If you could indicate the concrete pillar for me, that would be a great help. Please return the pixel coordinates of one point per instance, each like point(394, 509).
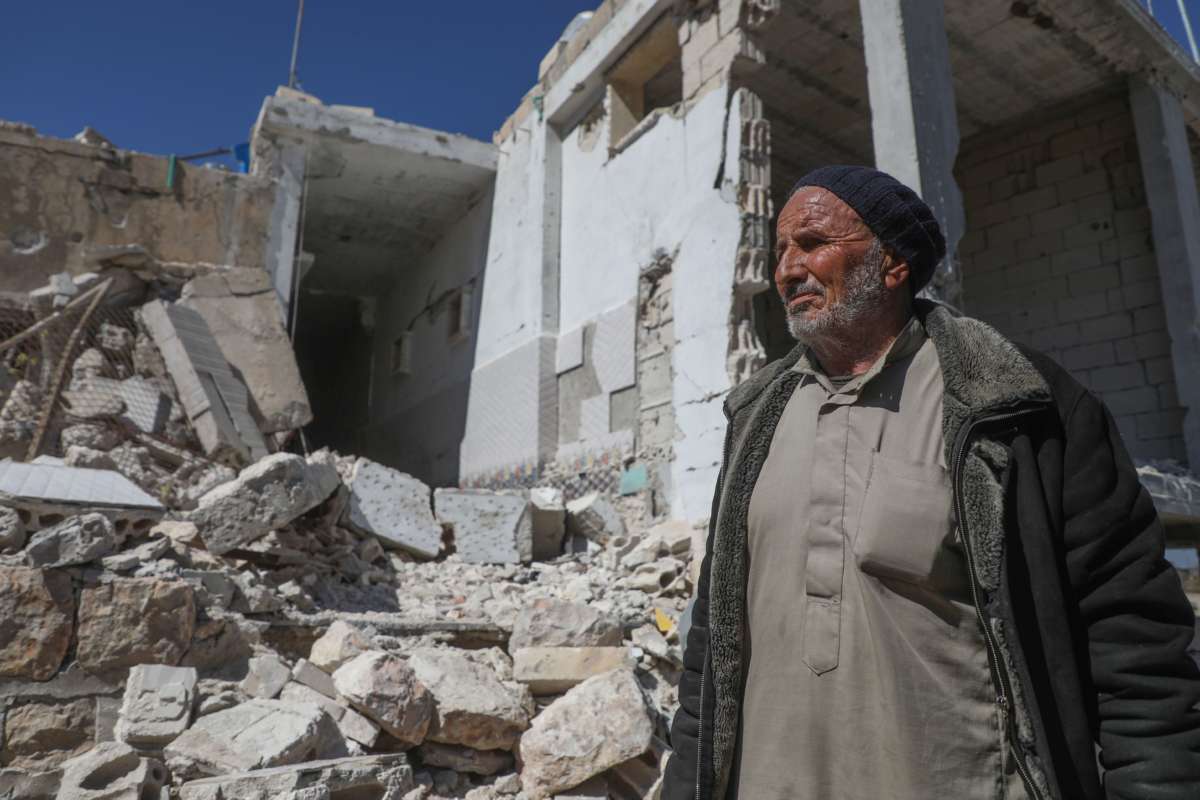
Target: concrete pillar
point(913, 116)
point(1175, 219)
point(288, 170)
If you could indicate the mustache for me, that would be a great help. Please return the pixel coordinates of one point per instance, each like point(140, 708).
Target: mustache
point(794, 290)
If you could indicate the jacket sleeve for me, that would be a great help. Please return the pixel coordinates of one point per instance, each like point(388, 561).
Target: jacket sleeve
point(1138, 620)
point(679, 778)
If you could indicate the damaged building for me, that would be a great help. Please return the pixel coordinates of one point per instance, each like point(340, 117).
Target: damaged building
point(402, 414)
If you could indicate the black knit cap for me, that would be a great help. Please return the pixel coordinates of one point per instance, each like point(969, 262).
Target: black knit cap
point(892, 211)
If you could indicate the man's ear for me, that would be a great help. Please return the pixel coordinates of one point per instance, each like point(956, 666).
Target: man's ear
point(895, 270)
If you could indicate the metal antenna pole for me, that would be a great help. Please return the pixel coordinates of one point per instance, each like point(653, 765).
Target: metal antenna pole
point(1187, 27)
point(296, 46)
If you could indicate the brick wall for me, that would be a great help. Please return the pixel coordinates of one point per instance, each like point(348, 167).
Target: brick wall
point(1059, 255)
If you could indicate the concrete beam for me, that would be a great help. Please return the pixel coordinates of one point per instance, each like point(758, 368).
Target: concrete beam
point(1175, 220)
point(913, 114)
point(572, 94)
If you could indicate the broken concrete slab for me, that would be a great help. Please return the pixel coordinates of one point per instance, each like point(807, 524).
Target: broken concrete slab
point(37, 612)
point(472, 707)
point(549, 518)
point(131, 621)
point(20, 784)
point(556, 623)
point(386, 689)
point(354, 726)
point(551, 670)
point(386, 776)
point(246, 320)
point(340, 643)
point(53, 482)
point(157, 705)
point(74, 541)
point(215, 400)
point(267, 676)
point(253, 735)
point(393, 506)
point(265, 496)
point(309, 674)
point(488, 527)
point(597, 725)
point(112, 770)
point(594, 517)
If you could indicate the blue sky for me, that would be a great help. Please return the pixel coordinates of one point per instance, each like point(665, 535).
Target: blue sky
point(165, 76)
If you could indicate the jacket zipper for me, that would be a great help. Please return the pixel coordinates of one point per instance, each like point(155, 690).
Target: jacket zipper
point(704, 663)
point(999, 673)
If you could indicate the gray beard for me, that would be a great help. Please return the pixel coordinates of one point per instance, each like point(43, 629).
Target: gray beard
point(864, 292)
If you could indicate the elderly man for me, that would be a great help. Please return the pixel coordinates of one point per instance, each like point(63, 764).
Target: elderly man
point(931, 569)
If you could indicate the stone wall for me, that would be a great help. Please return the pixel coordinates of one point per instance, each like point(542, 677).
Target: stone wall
point(65, 204)
point(1059, 255)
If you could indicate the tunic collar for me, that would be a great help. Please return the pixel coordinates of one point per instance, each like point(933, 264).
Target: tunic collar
point(910, 339)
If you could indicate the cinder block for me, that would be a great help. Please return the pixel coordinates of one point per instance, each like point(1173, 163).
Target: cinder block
point(1077, 258)
point(1153, 344)
point(1132, 401)
point(1097, 279)
point(1122, 376)
point(1089, 183)
point(1060, 169)
point(1104, 329)
point(1158, 424)
point(1056, 218)
point(1168, 397)
point(1081, 308)
point(1159, 370)
point(1088, 356)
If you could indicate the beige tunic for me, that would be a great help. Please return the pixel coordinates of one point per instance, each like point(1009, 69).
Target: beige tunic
point(868, 676)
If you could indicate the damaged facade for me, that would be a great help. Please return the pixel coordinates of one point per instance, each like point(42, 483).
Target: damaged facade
point(522, 347)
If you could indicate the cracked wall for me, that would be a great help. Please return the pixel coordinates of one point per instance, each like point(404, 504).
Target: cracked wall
point(62, 203)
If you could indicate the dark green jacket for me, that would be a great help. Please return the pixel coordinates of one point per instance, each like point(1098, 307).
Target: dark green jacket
point(1086, 624)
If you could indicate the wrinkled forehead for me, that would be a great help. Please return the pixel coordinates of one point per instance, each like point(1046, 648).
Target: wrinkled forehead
point(819, 210)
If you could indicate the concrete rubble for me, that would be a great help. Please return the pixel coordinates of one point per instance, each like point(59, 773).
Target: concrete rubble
point(190, 610)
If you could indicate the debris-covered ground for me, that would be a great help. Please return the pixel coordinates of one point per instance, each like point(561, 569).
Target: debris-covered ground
point(186, 614)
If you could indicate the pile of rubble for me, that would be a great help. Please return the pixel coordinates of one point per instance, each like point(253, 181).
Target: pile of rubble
point(324, 624)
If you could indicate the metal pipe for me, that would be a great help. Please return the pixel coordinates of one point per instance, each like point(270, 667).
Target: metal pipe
point(1187, 27)
point(296, 46)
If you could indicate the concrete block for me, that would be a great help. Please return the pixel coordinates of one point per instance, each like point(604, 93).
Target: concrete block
point(112, 770)
point(551, 670)
point(548, 515)
point(38, 612)
point(309, 674)
point(384, 776)
point(555, 623)
point(340, 643)
point(266, 678)
point(72, 542)
point(594, 517)
point(472, 707)
point(264, 497)
point(386, 689)
point(488, 527)
point(157, 706)
point(613, 348)
point(1123, 376)
point(393, 506)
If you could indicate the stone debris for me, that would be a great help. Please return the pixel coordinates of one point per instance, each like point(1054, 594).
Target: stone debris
point(12, 530)
point(594, 517)
point(597, 725)
point(340, 643)
point(132, 621)
point(553, 623)
point(37, 618)
point(386, 689)
point(393, 506)
point(112, 770)
point(472, 707)
point(157, 706)
point(265, 496)
point(267, 677)
point(549, 519)
point(488, 527)
point(465, 759)
point(72, 542)
point(552, 670)
point(387, 777)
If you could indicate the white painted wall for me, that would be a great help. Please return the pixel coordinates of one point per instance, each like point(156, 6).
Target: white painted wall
point(418, 419)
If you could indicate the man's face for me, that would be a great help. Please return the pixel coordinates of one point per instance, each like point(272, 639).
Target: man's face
point(828, 267)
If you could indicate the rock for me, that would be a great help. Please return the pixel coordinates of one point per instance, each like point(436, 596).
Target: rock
point(254, 597)
point(157, 705)
point(114, 337)
point(308, 674)
point(489, 527)
point(592, 789)
point(144, 553)
point(386, 689)
point(473, 707)
point(549, 518)
point(43, 735)
point(94, 398)
point(213, 588)
point(179, 531)
point(553, 623)
point(93, 435)
point(223, 642)
point(146, 408)
point(37, 612)
point(12, 530)
point(132, 621)
point(354, 726)
point(465, 759)
point(253, 735)
point(550, 670)
point(595, 517)
point(386, 776)
point(109, 771)
point(74, 541)
point(91, 363)
point(267, 676)
point(597, 725)
point(674, 536)
point(264, 497)
point(507, 784)
point(393, 506)
point(18, 784)
point(340, 643)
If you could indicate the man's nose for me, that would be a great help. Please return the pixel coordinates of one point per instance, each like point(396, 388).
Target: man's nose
point(791, 267)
